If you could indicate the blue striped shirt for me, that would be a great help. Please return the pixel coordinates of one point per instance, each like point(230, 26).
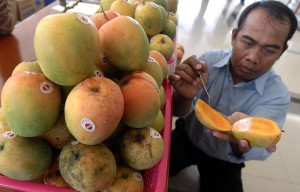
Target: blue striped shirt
point(266, 96)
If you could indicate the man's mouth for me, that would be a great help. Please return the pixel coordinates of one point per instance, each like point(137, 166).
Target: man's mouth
point(246, 70)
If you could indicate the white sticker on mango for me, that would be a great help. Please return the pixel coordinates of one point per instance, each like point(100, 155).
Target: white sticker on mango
point(9, 134)
point(154, 4)
point(46, 87)
point(155, 134)
point(88, 125)
point(150, 59)
point(133, 20)
point(75, 142)
point(83, 19)
point(137, 176)
point(98, 73)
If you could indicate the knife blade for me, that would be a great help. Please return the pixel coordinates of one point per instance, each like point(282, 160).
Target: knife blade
point(203, 85)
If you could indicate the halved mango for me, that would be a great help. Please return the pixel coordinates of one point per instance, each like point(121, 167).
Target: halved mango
point(258, 131)
point(211, 118)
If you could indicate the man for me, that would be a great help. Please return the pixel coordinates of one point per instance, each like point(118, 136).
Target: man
point(7, 20)
point(241, 84)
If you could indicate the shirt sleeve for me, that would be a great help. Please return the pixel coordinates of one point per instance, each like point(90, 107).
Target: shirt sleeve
point(255, 153)
point(7, 20)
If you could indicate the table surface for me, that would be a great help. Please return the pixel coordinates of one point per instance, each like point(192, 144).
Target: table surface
point(18, 46)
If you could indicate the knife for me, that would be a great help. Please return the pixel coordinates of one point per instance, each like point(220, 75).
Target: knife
point(203, 85)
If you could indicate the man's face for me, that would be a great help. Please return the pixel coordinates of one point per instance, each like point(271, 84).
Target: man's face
point(257, 46)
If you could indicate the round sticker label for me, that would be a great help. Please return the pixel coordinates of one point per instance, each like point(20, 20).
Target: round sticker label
point(83, 19)
point(155, 134)
point(88, 125)
point(9, 134)
point(75, 142)
point(133, 20)
point(46, 87)
point(150, 59)
point(154, 4)
point(152, 39)
point(98, 73)
point(137, 176)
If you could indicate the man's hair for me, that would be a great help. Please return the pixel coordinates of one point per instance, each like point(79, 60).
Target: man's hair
point(276, 10)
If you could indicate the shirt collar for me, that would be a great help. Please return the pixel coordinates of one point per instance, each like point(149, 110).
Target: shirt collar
point(259, 82)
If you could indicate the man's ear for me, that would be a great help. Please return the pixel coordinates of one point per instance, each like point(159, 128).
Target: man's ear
point(233, 35)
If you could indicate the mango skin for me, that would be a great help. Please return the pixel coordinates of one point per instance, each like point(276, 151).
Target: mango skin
point(127, 180)
point(97, 101)
point(125, 43)
point(141, 148)
point(24, 158)
point(140, 107)
point(87, 168)
point(28, 109)
point(67, 52)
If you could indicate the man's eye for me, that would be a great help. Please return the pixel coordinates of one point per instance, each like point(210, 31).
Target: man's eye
point(247, 43)
point(268, 51)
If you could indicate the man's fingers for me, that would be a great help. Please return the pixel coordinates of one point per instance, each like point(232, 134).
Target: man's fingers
point(272, 148)
point(244, 146)
point(174, 77)
point(223, 136)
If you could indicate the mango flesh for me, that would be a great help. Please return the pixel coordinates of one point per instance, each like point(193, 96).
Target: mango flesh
point(258, 131)
point(210, 118)
point(66, 52)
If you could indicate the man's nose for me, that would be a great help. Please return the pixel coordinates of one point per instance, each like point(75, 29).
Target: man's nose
point(254, 54)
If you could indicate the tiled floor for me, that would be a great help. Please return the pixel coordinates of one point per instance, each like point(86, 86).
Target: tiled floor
point(204, 25)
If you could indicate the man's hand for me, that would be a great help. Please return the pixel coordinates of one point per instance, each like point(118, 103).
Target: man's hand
point(239, 147)
point(185, 81)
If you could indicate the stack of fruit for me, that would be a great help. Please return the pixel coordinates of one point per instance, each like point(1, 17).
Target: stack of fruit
point(87, 113)
point(154, 16)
